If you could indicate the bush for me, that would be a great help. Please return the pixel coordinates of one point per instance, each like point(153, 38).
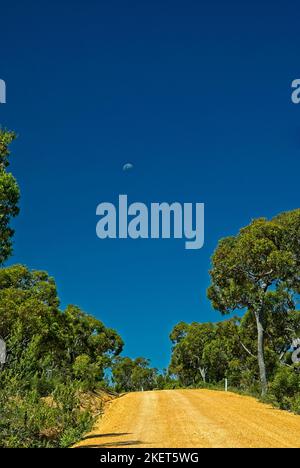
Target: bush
point(28, 420)
point(295, 404)
point(286, 388)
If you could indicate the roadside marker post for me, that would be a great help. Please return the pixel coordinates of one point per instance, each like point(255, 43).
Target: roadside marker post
point(2, 353)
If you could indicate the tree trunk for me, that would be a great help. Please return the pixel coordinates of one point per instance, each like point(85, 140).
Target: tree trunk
point(203, 373)
point(260, 353)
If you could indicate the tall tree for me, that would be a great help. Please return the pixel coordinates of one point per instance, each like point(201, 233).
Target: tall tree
point(189, 342)
point(9, 197)
point(258, 271)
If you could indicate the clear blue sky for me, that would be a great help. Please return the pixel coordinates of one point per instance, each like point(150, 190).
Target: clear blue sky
point(195, 94)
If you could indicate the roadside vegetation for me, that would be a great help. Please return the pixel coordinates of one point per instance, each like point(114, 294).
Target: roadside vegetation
point(56, 359)
point(257, 275)
point(54, 356)
point(205, 354)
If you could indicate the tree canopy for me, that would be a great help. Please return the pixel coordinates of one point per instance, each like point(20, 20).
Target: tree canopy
point(133, 374)
point(9, 196)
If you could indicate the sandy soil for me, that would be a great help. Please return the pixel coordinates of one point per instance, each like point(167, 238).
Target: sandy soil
point(193, 419)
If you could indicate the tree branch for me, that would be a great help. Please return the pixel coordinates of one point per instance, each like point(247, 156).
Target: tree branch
point(247, 350)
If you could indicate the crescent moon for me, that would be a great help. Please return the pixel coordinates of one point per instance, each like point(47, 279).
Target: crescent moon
point(127, 167)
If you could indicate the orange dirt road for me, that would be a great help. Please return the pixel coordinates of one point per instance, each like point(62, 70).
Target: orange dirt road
point(192, 419)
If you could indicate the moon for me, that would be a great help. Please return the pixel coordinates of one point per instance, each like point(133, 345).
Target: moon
point(127, 167)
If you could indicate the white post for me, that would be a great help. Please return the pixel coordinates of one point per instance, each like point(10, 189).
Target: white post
point(226, 385)
point(2, 353)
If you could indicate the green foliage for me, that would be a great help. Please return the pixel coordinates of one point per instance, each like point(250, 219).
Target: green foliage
point(206, 352)
point(133, 375)
point(50, 353)
point(27, 420)
point(165, 381)
point(203, 355)
point(188, 360)
point(285, 387)
point(9, 197)
point(87, 372)
point(43, 340)
point(258, 271)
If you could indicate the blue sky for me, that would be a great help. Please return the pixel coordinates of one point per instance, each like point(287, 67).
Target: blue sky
point(195, 94)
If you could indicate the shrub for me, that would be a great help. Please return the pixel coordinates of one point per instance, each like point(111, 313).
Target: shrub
point(286, 388)
point(28, 420)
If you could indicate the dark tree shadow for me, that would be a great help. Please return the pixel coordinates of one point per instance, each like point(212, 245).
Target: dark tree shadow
point(116, 444)
point(113, 434)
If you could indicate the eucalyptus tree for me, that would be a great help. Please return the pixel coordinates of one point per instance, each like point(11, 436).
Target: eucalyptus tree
point(258, 271)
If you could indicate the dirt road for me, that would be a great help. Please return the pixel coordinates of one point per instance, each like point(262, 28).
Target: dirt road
point(193, 418)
